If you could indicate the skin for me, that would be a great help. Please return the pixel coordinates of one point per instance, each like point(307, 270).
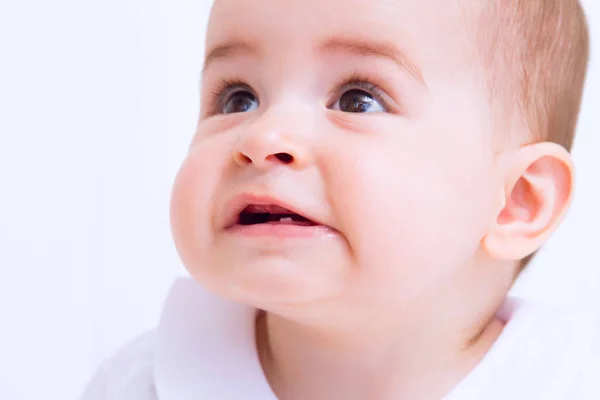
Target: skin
point(426, 217)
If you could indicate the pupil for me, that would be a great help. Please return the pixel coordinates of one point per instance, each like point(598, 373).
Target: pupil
point(239, 102)
point(356, 101)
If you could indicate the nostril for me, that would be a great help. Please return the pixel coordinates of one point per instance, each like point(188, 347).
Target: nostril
point(284, 157)
point(242, 159)
point(246, 159)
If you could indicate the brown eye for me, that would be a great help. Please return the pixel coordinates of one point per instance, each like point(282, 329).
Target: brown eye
point(240, 102)
point(358, 101)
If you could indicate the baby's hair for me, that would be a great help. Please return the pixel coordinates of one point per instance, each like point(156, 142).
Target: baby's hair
point(535, 55)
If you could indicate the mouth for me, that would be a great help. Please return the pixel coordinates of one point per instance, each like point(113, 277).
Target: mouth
point(251, 211)
point(271, 214)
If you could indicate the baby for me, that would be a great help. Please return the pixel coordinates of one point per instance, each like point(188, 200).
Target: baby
point(367, 180)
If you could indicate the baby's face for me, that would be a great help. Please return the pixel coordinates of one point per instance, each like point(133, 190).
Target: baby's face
point(367, 119)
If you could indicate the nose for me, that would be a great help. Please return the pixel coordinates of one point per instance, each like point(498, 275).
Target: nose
point(268, 143)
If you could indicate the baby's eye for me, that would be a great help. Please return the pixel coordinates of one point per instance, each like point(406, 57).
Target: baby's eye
point(239, 102)
point(358, 101)
point(359, 96)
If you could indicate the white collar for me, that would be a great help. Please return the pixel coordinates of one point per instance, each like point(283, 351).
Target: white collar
point(205, 348)
point(539, 354)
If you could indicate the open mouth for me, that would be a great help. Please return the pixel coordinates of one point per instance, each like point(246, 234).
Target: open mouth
point(271, 214)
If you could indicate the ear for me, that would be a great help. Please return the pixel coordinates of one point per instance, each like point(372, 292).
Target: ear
point(538, 189)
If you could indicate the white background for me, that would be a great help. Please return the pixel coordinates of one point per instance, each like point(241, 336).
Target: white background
point(98, 102)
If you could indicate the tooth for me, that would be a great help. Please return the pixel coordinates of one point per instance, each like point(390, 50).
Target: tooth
point(286, 219)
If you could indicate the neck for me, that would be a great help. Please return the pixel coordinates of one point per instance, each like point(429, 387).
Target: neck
point(301, 363)
point(421, 351)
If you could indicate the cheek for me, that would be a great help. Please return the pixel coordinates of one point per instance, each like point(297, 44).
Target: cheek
point(409, 213)
point(191, 199)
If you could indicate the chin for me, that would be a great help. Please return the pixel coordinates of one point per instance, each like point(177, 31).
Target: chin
point(273, 281)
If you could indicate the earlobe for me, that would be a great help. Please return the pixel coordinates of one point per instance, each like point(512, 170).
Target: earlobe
point(538, 191)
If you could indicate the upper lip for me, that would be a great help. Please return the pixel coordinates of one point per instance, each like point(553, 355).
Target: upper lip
point(240, 202)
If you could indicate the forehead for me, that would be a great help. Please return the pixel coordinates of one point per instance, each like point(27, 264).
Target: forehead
point(426, 28)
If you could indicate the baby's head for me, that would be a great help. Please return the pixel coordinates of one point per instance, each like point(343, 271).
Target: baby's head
point(424, 141)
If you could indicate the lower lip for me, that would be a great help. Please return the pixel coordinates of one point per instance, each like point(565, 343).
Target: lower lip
point(282, 231)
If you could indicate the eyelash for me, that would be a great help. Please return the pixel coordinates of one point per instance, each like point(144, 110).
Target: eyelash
point(363, 82)
point(355, 81)
point(224, 88)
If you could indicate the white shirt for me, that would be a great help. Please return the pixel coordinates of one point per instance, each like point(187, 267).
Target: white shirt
point(204, 348)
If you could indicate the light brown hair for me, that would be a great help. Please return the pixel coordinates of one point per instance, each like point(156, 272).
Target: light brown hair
point(535, 55)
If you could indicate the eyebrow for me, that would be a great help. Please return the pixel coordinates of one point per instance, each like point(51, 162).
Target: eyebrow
point(228, 50)
point(357, 47)
point(374, 49)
